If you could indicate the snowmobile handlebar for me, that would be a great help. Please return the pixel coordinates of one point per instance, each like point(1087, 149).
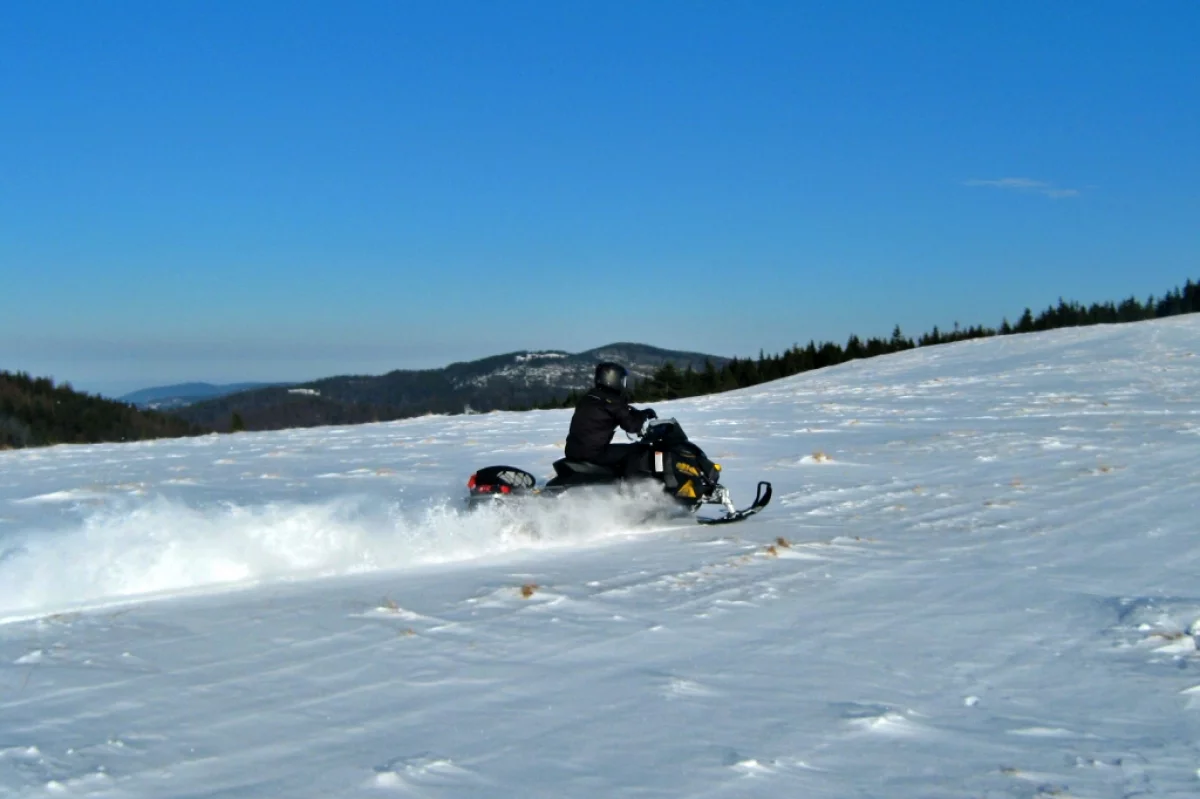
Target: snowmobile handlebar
point(655, 422)
point(646, 425)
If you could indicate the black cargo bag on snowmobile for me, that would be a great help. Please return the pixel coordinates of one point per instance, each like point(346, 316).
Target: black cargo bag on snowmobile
point(501, 480)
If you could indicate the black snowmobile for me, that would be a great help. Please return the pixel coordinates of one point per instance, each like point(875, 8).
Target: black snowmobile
point(663, 453)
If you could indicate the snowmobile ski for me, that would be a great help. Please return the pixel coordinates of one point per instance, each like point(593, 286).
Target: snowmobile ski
point(761, 499)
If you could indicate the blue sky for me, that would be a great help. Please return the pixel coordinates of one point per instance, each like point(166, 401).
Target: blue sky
point(289, 190)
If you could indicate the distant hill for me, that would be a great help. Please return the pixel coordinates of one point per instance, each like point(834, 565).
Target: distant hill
point(181, 394)
point(36, 412)
point(512, 380)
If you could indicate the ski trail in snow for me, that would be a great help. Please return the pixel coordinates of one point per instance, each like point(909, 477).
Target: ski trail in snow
point(162, 547)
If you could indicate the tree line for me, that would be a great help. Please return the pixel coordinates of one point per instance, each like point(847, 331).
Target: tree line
point(36, 412)
point(669, 382)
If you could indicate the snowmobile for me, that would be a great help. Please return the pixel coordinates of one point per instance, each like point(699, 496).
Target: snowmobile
point(662, 453)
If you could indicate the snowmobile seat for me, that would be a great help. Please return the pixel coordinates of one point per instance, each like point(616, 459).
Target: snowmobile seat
point(564, 468)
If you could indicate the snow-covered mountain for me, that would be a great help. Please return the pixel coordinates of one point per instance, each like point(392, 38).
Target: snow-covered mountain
point(512, 380)
point(563, 371)
point(977, 580)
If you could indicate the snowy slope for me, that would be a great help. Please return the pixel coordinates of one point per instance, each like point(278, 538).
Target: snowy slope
point(978, 579)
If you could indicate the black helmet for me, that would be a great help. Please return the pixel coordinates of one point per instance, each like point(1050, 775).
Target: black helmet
point(612, 376)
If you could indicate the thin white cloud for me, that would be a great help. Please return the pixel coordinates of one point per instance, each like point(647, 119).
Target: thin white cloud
point(1027, 185)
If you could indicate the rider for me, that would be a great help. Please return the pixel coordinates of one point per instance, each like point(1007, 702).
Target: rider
point(598, 415)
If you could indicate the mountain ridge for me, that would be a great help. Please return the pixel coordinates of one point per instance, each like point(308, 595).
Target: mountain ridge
point(180, 394)
point(521, 378)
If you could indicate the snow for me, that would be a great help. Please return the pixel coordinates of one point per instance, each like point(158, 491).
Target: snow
point(533, 356)
point(977, 579)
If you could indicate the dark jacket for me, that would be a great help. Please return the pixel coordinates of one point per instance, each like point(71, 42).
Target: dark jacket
point(596, 418)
